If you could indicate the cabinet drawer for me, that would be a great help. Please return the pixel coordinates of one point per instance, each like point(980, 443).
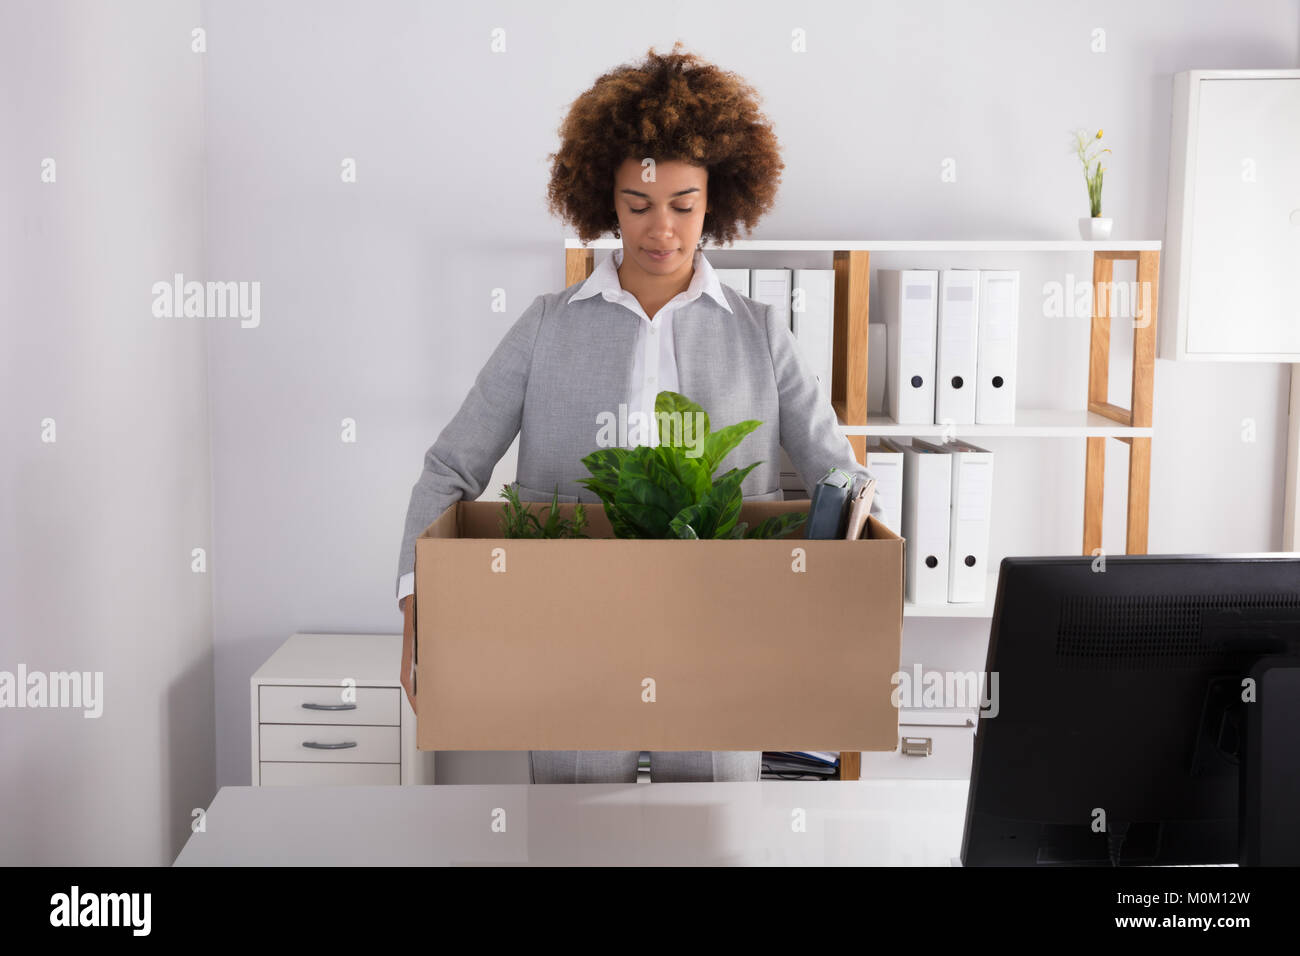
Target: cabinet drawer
point(949, 757)
point(324, 704)
point(286, 774)
point(316, 743)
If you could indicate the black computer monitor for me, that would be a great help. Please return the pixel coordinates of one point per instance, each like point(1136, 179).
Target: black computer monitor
point(1118, 732)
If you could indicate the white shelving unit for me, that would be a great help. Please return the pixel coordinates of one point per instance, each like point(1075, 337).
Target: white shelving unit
point(1030, 423)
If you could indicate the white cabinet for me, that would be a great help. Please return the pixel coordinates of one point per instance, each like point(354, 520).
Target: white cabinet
point(934, 744)
point(1232, 266)
point(328, 709)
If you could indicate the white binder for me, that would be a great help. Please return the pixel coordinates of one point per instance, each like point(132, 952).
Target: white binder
point(885, 462)
point(738, 279)
point(772, 286)
point(972, 512)
point(999, 310)
point(908, 301)
point(812, 314)
point(927, 506)
point(958, 338)
point(877, 345)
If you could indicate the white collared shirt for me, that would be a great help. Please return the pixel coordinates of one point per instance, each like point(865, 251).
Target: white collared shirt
point(654, 364)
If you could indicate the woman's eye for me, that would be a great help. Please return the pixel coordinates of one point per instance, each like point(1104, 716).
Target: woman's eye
point(639, 211)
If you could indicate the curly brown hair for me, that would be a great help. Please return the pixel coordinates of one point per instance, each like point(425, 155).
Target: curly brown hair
point(669, 107)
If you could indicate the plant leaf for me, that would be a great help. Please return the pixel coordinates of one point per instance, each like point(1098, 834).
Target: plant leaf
point(731, 472)
point(717, 445)
point(683, 523)
point(552, 527)
point(727, 499)
point(649, 494)
point(693, 474)
point(671, 412)
point(518, 521)
point(715, 515)
point(604, 465)
point(682, 528)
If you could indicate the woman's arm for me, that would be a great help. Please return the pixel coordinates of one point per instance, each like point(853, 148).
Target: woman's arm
point(810, 431)
point(459, 464)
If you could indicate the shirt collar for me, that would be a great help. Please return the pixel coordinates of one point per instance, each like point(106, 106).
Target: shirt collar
point(604, 281)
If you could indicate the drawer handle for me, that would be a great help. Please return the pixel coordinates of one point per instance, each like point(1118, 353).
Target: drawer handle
point(916, 746)
point(315, 746)
point(329, 706)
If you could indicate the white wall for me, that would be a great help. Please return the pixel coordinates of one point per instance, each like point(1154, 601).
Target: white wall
point(375, 307)
point(98, 525)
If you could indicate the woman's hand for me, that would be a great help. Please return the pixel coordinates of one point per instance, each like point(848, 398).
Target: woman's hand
point(408, 646)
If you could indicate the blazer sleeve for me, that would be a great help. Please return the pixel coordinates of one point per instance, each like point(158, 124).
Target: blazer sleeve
point(459, 464)
point(810, 430)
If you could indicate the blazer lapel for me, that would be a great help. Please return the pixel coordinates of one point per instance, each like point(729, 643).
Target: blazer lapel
point(700, 341)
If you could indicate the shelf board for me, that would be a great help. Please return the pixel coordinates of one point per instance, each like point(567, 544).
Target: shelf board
point(1030, 423)
point(908, 245)
point(979, 609)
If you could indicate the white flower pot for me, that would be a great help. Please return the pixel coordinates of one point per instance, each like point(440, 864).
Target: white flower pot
point(1096, 227)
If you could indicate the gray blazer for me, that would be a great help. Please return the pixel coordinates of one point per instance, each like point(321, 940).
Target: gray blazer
point(561, 365)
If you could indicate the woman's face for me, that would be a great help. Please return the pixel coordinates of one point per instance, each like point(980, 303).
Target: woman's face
point(666, 213)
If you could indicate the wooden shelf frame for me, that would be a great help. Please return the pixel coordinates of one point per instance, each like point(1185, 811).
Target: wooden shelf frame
point(1138, 414)
point(849, 363)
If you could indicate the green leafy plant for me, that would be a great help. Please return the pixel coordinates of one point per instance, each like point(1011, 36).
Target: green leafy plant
point(1092, 167)
point(668, 490)
point(518, 520)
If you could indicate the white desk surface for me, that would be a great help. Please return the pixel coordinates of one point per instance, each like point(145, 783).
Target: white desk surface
point(865, 822)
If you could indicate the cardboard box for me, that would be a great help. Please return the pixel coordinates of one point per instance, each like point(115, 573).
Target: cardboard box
point(615, 644)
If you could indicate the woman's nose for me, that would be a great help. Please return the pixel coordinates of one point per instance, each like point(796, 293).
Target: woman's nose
point(661, 226)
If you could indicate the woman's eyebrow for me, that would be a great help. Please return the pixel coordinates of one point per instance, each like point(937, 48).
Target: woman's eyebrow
point(680, 192)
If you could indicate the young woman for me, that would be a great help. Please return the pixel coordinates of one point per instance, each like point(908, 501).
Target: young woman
point(664, 154)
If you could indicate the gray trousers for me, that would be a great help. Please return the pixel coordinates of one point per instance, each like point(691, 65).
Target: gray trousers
point(666, 766)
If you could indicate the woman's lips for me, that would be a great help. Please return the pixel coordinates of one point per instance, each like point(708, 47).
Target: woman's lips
point(659, 255)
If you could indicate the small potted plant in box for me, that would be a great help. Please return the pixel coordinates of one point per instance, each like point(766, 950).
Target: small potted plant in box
point(518, 520)
point(665, 490)
point(1095, 227)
